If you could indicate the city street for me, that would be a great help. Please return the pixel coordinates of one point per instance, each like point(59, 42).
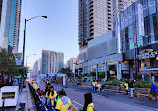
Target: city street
point(107, 101)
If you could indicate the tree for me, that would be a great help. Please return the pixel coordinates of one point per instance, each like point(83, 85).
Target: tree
point(4, 63)
point(12, 69)
point(8, 66)
point(66, 71)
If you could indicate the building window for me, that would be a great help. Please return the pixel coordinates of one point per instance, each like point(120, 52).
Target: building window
point(146, 39)
point(131, 39)
point(126, 39)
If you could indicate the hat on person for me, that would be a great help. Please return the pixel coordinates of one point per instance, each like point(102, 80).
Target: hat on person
point(58, 90)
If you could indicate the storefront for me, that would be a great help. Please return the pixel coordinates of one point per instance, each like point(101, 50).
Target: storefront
point(148, 63)
point(111, 70)
point(125, 70)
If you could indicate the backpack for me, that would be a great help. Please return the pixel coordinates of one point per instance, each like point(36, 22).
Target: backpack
point(92, 107)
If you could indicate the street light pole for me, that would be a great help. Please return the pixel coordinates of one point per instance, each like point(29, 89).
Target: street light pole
point(24, 46)
point(23, 55)
point(28, 57)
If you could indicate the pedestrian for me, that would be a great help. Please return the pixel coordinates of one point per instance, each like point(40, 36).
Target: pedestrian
point(63, 103)
point(88, 105)
point(57, 97)
point(126, 87)
point(50, 97)
point(40, 92)
point(47, 81)
point(35, 86)
point(46, 89)
point(131, 87)
point(99, 87)
point(154, 91)
point(72, 108)
point(93, 85)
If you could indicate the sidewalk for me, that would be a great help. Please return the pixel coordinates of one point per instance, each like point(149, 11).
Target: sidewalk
point(26, 97)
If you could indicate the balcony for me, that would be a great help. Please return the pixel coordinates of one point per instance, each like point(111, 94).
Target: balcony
point(91, 26)
point(91, 2)
point(91, 7)
point(90, 38)
point(91, 10)
point(91, 30)
point(91, 18)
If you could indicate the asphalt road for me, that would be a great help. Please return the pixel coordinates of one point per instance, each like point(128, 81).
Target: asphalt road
point(106, 101)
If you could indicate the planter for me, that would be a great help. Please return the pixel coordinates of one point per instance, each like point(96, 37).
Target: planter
point(136, 94)
point(143, 90)
point(114, 87)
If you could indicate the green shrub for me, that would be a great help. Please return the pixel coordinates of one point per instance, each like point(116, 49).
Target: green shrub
point(89, 75)
point(143, 84)
point(115, 82)
point(102, 74)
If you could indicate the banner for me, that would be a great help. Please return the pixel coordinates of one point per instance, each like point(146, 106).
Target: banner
point(18, 58)
point(141, 20)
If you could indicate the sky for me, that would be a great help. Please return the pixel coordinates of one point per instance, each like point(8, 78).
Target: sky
point(59, 32)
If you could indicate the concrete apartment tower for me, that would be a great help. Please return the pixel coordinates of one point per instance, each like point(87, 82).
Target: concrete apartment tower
point(95, 19)
point(10, 24)
point(71, 64)
point(52, 61)
point(17, 26)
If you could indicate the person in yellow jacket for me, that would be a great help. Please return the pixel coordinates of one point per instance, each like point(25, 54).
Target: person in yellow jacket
point(50, 97)
point(126, 87)
point(47, 82)
point(94, 85)
point(63, 103)
point(88, 105)
point(35, 86)
point(99, 87)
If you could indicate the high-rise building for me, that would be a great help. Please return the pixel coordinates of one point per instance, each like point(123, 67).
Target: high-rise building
point(52, 61)
point(1, 38)
point(71, 64)
point(10, 24)
point(60, 61)
point(40, 66)
point(35, 68)
point(120, 6)
point(95, 18)
point(46, 61)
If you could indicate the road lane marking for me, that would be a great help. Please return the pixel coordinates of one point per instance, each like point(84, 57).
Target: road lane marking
point(32, 105)
point(97, 95)
point(31, 100)
point(78, 103)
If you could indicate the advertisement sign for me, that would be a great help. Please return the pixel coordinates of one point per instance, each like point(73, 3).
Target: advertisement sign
point(147, 55)
point(18, 58)
point(141, 20)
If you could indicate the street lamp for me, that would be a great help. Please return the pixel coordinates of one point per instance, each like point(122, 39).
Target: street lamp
point(26, 20)
point(27, 58)
point(25, 36)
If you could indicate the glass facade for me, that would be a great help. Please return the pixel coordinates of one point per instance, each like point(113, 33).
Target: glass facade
point(150, 30)
point(101, 67)
point(45, 63)
point(93, 68)
point(86, 70)
point(12, 23)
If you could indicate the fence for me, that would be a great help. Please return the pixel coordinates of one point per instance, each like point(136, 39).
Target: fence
point(40, 106)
